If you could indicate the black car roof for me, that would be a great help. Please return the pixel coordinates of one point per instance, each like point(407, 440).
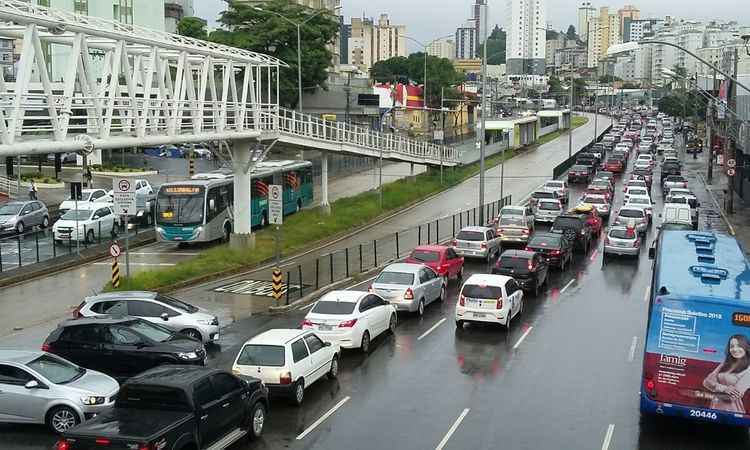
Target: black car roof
point(99, 320)
point(173, 376)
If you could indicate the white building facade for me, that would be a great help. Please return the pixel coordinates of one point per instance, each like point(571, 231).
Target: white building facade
point(442, 48)
point(466, 41)
point(525, 51)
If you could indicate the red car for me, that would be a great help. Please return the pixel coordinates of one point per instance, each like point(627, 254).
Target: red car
point(592, 217)
point(443, 260)
point(614, 165)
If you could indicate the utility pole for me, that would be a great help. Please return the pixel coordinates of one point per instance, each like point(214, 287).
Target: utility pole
point(481, 134)
point(710, 134)
point(570, 120)
point(730, 146)
point(596, 113)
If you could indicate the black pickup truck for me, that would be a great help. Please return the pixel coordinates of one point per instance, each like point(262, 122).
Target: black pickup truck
point(176, 408)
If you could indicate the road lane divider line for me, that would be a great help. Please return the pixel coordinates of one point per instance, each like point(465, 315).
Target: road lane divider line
point(608, 436)
point(432, 328)
point(323, 418)
point(565, 288)
point(452, 429)
point(523, 336)
point(633, 346)
point(647, 294)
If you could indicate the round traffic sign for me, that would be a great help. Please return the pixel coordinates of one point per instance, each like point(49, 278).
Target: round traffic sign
point(275, 193)
point(124, 185)
point(730, 172)
point(114, 250)
point(731, 163)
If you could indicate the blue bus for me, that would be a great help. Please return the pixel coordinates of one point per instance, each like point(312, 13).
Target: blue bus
point(696, 362)
point(200, 209)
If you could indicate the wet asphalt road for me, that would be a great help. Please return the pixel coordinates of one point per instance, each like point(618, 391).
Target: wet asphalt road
point(565, 376)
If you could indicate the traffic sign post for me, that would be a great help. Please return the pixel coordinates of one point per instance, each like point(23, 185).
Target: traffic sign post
point(276, 214)
point(114, 250)
point(115, 274)
point(732, 163)
point(123, 197)
point(278, 284)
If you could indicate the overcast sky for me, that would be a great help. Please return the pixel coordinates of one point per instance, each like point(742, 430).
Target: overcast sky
point(425, 20)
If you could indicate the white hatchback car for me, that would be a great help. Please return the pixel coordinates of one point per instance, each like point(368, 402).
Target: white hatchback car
point(288, 361)
point(94, 221)
point(489, 298)
point(351, 319)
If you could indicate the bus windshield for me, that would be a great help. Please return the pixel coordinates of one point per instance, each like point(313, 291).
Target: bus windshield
point(180, 205)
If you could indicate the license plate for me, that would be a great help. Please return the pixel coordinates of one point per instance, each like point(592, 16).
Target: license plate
point(479, 315)
point(325, 327)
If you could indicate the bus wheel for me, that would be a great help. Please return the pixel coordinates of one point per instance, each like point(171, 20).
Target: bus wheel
point(263, 220)
point(227, 232)
point(299, 205)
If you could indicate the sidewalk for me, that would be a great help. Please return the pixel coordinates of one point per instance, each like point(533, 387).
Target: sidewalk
point(739, 222)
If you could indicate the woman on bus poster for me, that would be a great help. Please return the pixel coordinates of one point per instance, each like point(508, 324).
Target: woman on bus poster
point(731, 379)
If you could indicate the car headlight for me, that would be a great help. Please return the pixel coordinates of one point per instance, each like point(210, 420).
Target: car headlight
point(205, 321)
point(187, 355)
point(92, 400)
point(159, 230)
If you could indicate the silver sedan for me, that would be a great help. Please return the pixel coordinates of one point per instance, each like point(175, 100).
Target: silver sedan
point(409, 287)
point(38, 387)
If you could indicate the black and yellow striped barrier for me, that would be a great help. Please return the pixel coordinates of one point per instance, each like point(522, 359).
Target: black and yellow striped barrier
point(278, 284)
point(115, 274)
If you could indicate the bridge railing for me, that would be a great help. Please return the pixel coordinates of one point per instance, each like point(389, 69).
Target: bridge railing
point(305, 125)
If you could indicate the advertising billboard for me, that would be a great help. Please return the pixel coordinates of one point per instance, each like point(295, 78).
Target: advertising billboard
point(698, 356)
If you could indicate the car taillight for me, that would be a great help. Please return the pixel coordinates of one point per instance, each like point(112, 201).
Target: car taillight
point(606, 240)
point(146, 447)
point(484, 245)
point(462, 300)
point(77, 311)
point(63, 444)
point(46, 347)
point(348, 323)
point(306, 323)
point(285, 378)
point(526, 231)
point(637, 242)
point(499, 304)
point(555, 252)
point(454, 243)
point(370, 289)
point(530, 266)
point(102, 441)
point(500, 231)
point(409, 294)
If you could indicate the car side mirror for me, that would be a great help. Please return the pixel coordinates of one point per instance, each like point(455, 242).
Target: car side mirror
point(164, 317)
point(326, 344)
point(212, 204)
point(652, 252)
point(33, 384)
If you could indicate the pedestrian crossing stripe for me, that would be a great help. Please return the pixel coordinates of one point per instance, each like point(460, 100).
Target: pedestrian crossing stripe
point(258, 288)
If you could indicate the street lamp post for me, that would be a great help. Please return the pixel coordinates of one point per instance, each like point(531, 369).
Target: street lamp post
point(481, 134)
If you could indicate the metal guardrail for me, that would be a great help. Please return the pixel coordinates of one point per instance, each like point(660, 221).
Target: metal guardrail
point(8, 187)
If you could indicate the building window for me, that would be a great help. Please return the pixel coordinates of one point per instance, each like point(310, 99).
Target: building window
point(44, 3)
point(122, 11)
point(81, 7)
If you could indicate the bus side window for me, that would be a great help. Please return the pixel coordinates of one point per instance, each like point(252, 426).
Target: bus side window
point(225, 197)
point(213, 204)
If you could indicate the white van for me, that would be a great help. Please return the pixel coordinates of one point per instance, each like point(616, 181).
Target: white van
point(676, 213)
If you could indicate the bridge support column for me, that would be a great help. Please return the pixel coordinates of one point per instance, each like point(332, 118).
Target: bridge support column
point(324, 204)
point(411, 172)
point(242, 236)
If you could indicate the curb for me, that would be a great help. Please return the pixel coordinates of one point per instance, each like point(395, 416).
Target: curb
point(716, 204)
point(125, 174)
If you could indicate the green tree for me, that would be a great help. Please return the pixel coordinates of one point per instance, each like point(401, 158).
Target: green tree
point(265, 32)
point(606, 79)
point(193, 27)
point(495, 46)
point(571, 33)
point(555, 86)
point(440, 73)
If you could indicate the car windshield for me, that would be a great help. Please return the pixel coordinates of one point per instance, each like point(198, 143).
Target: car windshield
point(537, 195)
point(613, 161)
point(639, 200)
point(56, 370)
point(331, 307)
point(482, 291)
point(637, 191)
point(595, 200)
point(631, 213)
point(261, 355)
point(85, 196)
point(402, 278)
point(180, 205)
point(579, 168)
point(81, 214)
point(514, 262)
point(567, 222)
point(177, 304)
point(677, 200)
point(554, 184)
point(621, 233)
point(674, 178)
point(154, 332)
point(549, 206)
point(464, 235)
point(512, 220)
point(10, 209)
point(425, 255)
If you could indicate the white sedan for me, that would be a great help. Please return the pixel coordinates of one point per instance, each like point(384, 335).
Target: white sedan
point(94, 220)
point(351, 319)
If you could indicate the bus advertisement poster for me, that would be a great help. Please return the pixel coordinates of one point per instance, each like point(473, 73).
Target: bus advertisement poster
point(698, 355)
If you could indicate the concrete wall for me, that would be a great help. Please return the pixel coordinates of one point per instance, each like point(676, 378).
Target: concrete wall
point(549, 129)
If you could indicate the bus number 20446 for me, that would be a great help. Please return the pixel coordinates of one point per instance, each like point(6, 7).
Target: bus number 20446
point(703, 414)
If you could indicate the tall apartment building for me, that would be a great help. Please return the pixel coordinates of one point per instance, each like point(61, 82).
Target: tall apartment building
point(638, 29)
point(627, 12)
point(176, 10)
point(526, 39)
point(371, 42)
point(345, 32)
point(466, 41)
point(478, 9)
point(604, 31)
point(442, 48)
point(586, 12)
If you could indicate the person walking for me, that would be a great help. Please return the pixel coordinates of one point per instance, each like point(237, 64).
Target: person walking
point(32, 190)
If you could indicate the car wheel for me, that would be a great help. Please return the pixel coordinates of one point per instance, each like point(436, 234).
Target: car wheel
point(90, 237)
point(392, 324)
point(45, 222)
point(191, 333)
point(257, 420)
point(443, 293)
point(263, 220)
point(333, 373)
point(509, 320)
point(20, 228)
point(460, 275)
point(299, 392)
point(536, 288)
point(420, 308)
point(365, 344)
point(227, 232)
point(61, 418)
point(460, 324)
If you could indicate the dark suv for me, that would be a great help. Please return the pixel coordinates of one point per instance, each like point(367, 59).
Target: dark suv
point(575, 229)
point(528, 268)
point(580, 174)
point(587, 159)
point(122, 347)
point(554, 248)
